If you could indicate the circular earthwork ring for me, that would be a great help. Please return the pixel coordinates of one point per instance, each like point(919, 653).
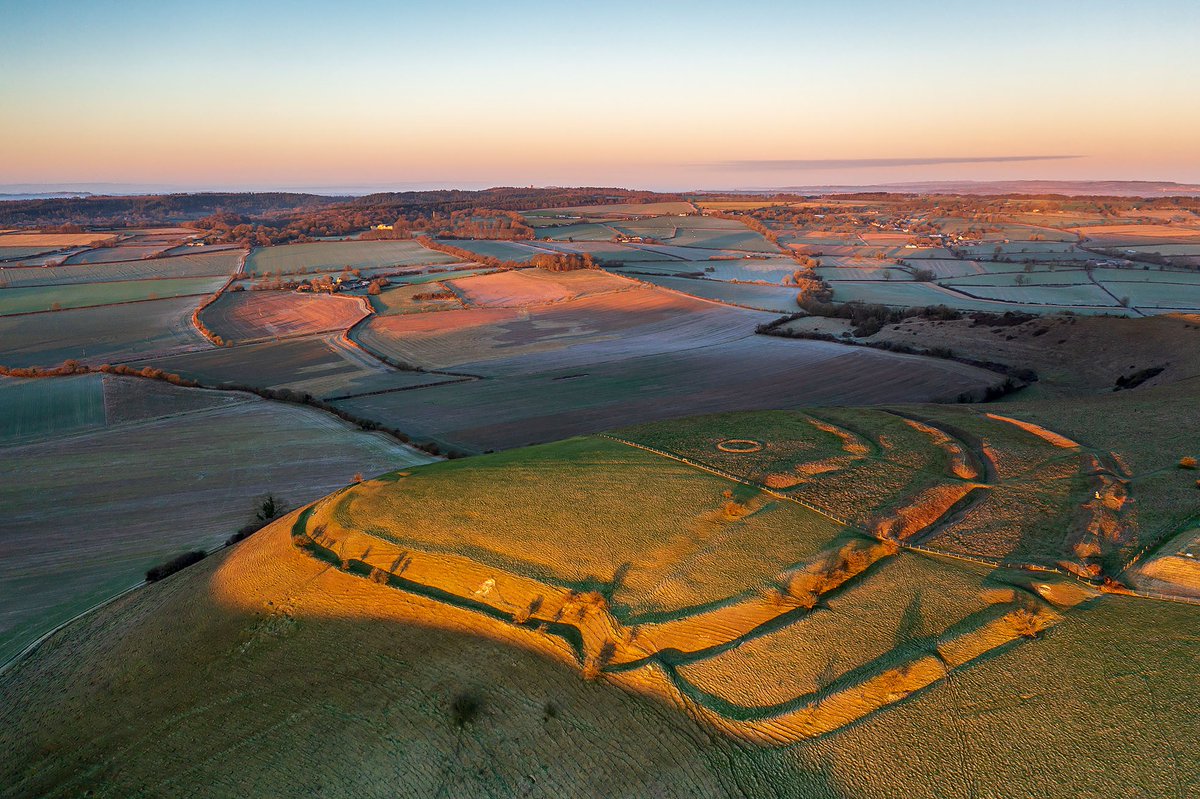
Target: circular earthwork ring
point(739, 446)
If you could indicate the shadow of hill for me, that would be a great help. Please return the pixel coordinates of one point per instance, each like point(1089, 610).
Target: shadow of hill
point(238, 677)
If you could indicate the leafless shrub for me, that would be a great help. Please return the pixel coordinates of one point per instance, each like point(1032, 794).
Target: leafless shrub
point(1026, 622)
point(595, 664)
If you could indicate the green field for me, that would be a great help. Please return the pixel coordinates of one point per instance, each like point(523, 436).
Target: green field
point(181, 266)
point(583, 231)
point(334, 255)
point(592, 478)
point(607, 251)
point(1079, 295)
point(1144, 295)
point(881, 272)
point(919, 294)
point(37, 408)
point(46, 298)
point(107, 333)
point(504, 250)
point(699, 232)
point(1062, 276)
point(403, 299)
point(780, 299)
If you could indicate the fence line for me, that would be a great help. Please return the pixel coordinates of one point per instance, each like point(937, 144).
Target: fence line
point(736, 478)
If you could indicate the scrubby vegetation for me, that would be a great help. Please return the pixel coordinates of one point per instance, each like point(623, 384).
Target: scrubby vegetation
point(175, 564)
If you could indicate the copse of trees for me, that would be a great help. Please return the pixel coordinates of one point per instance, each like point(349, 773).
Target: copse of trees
point(869, 318)
point(563, 262)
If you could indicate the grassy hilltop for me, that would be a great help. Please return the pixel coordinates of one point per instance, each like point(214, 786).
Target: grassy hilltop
point(767, 596)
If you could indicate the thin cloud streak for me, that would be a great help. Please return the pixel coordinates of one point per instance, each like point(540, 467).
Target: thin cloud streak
point(864, 163)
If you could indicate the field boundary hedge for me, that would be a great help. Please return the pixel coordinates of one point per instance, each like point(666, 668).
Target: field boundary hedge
point(1017, 378)
point(212, 337)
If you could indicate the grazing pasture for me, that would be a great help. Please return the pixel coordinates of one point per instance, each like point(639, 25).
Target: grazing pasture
point(504, 250)
point(32, 299)
point(909, 294)
point(704, 233)
point(413, 298)
point(950, 268)
point(1045, 276)
point(609, 251)
point(777, 299)
point(334, 255)
point(253, 315)
point(84, 513)
point(1069, 295)
point(578, 231)
point(103, 334)
point(121, 252)
point(865, 270)
point(182, 266)
point(1162, 249)
point(195, 265)
point(297, 623)
point(747, 270)
point(1154, 296)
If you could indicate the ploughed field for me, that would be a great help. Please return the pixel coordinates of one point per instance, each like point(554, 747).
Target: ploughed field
point(780, 601)
point(242, 316)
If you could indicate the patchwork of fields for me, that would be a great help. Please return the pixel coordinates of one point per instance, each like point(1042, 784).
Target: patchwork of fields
point(794, 567)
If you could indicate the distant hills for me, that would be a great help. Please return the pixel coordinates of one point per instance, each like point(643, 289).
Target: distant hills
point(1110, 188)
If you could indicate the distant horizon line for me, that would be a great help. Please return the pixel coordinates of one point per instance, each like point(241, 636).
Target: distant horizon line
point(134, 189)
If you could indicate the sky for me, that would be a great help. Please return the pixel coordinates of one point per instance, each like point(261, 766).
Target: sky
point(649, 94)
